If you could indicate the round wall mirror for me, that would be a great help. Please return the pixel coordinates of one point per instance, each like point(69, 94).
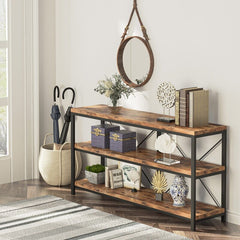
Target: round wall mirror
point(135, 61)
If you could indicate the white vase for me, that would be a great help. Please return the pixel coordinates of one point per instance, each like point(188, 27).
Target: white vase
point(179, 190)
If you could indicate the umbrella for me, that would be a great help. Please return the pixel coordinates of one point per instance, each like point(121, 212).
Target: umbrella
point(67, 117)
point(55, 115)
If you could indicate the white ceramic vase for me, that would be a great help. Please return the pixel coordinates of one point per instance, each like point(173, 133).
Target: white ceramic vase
point(179, 190)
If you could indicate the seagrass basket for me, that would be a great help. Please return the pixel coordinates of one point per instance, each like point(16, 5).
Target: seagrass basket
point(55, 165)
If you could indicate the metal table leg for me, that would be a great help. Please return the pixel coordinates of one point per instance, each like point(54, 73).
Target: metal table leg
point(103, 158)
point(224, 156)
point(72, 154)
point(193, 183)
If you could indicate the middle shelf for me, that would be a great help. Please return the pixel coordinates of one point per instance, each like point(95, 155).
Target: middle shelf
point(145, 157)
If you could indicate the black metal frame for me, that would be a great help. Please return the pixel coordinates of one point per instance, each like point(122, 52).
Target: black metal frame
point(206, 175)
point(193, 182)
point(223, 180)
point(193, 164)
point(72, 154)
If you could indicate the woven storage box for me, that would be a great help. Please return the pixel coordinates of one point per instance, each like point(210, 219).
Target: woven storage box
point(100, 135)
point(122, 141)
point(95, 178)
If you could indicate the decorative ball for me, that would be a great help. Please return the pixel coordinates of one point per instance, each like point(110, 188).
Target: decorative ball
point(166, 94)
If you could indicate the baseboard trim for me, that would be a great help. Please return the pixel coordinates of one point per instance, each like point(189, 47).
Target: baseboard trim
point(233, 217)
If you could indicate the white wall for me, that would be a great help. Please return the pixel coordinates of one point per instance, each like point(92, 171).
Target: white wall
point(194, 43)
point(47, 63)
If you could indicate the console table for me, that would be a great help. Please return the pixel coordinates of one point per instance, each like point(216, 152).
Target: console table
point(189, 167)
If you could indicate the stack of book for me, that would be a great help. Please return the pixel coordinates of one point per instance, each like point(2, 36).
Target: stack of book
point(191, 107)
point(113, 177)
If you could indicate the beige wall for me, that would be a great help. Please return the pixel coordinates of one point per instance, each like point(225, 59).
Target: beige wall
point(194, 43)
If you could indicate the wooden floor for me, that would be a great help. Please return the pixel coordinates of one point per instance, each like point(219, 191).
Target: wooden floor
point(208, 229)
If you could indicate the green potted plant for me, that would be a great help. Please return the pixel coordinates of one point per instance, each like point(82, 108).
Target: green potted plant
point(95, 174)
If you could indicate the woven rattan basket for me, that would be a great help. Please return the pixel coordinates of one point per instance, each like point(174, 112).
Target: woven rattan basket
point(55, 165)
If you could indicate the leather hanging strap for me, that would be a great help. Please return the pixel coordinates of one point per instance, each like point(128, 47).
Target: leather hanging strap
point(144, 31)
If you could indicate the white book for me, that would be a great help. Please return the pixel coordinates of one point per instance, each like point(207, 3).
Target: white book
point(116, 178)
point(107, 168)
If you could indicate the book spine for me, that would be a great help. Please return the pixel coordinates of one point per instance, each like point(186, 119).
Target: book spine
point(182, 108)
point(177, 107)
point(106, 177)
point(187, 109)
point(107, 169)
point(111, 179)
point(191, 109)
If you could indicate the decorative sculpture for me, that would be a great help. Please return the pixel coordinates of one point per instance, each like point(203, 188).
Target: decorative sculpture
point(166, 96)
point(159, 183)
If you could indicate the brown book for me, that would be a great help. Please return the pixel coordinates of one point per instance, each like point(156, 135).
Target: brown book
point(177, 107)
point(198, 108)
point(183, 105)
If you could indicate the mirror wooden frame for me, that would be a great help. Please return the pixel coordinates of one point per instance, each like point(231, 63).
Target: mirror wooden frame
point(123, 44)
point(120, 61)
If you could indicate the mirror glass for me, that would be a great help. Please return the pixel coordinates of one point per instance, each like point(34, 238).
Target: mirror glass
point(136, 61)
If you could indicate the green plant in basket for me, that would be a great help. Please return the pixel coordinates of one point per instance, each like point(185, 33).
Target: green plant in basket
point(95, 174)
point(114, 88)
point(96, 168)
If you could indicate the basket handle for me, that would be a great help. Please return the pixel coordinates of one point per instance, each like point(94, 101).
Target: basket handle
point(45, 137)
point(60, 163)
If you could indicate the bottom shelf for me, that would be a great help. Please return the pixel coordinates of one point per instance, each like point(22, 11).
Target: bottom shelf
point(146, 197)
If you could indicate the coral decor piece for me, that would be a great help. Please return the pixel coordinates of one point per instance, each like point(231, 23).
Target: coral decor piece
point(165, 144)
